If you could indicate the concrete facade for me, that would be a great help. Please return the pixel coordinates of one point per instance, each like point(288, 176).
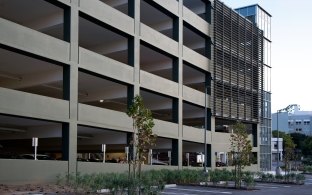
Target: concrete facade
point(70, 68)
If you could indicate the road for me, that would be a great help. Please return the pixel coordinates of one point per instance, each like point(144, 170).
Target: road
point(261, 189)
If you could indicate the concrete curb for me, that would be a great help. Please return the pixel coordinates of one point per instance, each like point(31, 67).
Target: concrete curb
point(170, 185)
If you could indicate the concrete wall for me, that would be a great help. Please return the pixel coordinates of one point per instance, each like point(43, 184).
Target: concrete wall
point(30, 171)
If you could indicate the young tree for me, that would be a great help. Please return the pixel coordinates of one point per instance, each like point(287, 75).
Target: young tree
point(143, 137)
point(241, 151)
point(289, 154)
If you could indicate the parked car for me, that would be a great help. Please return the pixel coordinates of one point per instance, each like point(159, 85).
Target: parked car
point(8, 156)
point(158, 162)
point(39, 157)
point(220, 164)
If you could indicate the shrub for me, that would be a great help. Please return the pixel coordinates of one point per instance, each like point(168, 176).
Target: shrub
point(270, 177)
point(307, 169)
point(220, 175)
point(150, 183)
point(290, 177)
point(279, 178)
point(226, 176)
point(263, 176)
point(215, 176)
point(249, 179)
point(300, 178)
point(169, 176)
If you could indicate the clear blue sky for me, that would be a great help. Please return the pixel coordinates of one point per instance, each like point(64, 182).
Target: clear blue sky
point(291, 50)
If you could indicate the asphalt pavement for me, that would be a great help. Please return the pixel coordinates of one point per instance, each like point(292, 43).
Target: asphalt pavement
point(261, 189)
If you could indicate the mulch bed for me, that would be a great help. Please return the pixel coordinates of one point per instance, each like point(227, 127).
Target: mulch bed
point(34, 189)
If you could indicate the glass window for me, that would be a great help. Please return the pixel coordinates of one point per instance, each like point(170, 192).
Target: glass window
point(243, 11)
point(251, 11)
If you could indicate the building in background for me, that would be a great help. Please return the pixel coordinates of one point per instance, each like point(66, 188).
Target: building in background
point(69, 70)
point(296, 121)
point(277, 150)
point(257, 15)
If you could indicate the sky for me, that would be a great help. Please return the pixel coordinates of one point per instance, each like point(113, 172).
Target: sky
point(291, 63)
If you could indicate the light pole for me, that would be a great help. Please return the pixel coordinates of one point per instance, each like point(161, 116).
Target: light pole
point(278, 170)
point(287, 109)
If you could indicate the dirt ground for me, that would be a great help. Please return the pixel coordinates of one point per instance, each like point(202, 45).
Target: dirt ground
point(37, 189)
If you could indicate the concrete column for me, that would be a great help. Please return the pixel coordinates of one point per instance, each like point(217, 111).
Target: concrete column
point(136, 44)
point(212, 148)
point(73, 86)
point(178, 35)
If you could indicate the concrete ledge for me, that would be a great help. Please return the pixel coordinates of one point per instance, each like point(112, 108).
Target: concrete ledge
point(166, 129)
point(158, 84)
point(104, 118)
point(195, 134)
point(108, 15)
point(105, 66)
point(196, 59)
point(32, 105)
point(158, 40)
point(195, 96)
point(33, 41)
point(171, 6)
point(196, 21)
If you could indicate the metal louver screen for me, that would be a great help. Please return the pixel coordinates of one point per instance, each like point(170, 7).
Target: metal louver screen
point(238, 66)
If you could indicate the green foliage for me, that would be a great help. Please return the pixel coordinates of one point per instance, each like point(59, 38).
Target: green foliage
point(298, 139)
point(307, 161)
point(116, 183)
point(307, 147)
point(249, 179)
point(143, 136)
point(300, 179)
point(185, 176)
point(241, 150)
point(266, 177)
point(302, 142)
point(280, 134)
point(307, 169)
point(220, 175)
point(289, 148)
point(289, 178)
point(153, 178)
point(215, 176)
point(279, 178)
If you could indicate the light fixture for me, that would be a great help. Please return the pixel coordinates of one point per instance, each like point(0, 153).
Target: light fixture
point(101, 101)
point(14, 130)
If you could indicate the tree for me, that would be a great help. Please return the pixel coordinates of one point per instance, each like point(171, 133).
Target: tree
point(298, 139)
point(241, 150)
point(280, 133)
point(289, 148)
point(143, 137)
point(307, 146)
